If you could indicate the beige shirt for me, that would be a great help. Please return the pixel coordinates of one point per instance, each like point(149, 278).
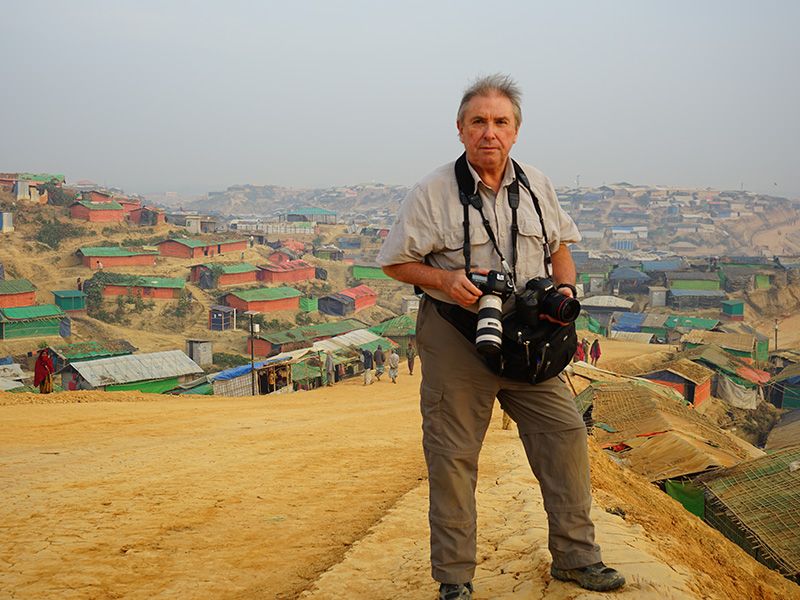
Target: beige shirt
point(429, 226)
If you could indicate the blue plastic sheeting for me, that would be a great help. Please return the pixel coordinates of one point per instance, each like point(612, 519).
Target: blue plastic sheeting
point(631, 322)
point(6, 360)
point(244, 369)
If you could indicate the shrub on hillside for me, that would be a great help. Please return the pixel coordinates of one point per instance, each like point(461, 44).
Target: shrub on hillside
point(58, 196)
point(52, 232)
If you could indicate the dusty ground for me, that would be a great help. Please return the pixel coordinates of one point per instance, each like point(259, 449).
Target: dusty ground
point(316, 494)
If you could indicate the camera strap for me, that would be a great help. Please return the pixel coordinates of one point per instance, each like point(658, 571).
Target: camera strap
point(469, 196)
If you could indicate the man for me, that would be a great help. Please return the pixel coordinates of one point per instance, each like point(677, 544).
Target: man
point(379, 359)
point(329, 367)
point(394, 365)
point(411, 354)
point(426, 248)
point(366, 361)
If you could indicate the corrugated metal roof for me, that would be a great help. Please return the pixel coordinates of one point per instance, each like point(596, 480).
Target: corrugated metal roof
point(312, 210)
point(232, 269)
point(136, 367)
point(15, 286)
point(7, 385)
point(191, 243)
point(101, 251)
point(350, 339)
point(398, 326)
point(360, 291)
point(662, 265)
point(26, 313)
point(632, 336)
point(675, 321)
point(697, 293)
point(262, 294)
point(68, 294)
point(692, 276)
point(727, 363)
point(627, 274)
point(605, 302)
point(289, 265)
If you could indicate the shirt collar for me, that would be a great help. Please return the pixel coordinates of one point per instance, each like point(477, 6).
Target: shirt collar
point(508, 177)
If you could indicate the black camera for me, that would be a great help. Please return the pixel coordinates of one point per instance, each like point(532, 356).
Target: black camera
point(541, 297)
point(496, 288)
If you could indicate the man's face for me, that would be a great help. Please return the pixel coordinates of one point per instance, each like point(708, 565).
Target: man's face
point(488, 130)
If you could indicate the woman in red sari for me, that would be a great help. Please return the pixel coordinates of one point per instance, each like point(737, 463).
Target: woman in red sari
point(43, 372)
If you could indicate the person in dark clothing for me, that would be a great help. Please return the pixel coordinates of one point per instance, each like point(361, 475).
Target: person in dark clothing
point(380, 360)
point(366, 362)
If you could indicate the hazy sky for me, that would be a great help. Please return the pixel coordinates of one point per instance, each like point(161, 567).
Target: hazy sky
point(196, 96)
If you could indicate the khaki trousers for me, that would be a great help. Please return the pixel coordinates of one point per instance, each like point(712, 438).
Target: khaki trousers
point(457, 397)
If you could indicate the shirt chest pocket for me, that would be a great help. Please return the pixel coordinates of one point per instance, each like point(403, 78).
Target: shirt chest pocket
point(453, 244)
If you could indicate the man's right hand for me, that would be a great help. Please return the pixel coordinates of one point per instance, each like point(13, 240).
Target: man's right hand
point(456, 285)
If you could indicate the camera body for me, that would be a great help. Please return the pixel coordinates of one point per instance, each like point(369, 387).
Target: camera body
point(496, 288)
point(542, 298)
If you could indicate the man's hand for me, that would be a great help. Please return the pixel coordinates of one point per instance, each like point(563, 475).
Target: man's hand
point(456, 285)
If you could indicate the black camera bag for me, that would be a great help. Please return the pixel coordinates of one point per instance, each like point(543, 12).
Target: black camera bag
point(529, 354)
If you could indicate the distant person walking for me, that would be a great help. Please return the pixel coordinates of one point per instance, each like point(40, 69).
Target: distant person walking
point(43, 372)
point(411, 354)
point(579, 354)
point(329, 367)
point(394, 365)
point(380, 360)
point(585, 346)
point(366, 362)
point(80, 284)
point(595, 352)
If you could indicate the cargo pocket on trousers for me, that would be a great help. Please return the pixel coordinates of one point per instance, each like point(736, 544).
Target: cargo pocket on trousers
point(431, 409)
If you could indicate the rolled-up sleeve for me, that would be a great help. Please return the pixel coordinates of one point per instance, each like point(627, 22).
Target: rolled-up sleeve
point(414, 234)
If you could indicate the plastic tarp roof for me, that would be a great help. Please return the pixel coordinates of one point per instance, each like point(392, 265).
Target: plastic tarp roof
point(283, 358)
point(136, 367)
point(628, 321)
point(627, 274)
point(631, 336)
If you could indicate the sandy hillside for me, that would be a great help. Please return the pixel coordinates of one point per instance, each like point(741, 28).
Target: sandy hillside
point(315, 494)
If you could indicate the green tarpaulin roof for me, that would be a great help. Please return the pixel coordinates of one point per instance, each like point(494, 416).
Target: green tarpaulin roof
point(267, 294)
point(68, 294)
point(232, 269)
point(25, 313)
point(142, 281)
point(99, 205)
point(398, 326)
point(16, 286)
point(112, 251)
point(199, 243)
point(310, 332)
point(674, 321)
point(46, 177)
point(91, 349)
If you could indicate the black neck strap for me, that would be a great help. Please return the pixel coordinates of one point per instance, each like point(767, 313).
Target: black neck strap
point(469, 196)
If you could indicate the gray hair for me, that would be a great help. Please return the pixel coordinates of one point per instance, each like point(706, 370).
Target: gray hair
point(498, 83)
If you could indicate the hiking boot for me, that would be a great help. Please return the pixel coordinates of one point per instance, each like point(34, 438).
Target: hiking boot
point(596, 577)
point(455, 591)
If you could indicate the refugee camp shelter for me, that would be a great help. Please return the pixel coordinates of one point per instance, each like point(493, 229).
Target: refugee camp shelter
point(272, 343)
point(33, 321)
point(605, 305)
point(310, 214)
point(114, 256)
point(336, 304)
point(743, 345)
point(6, 222)
point(288, 271)
point(784, 388)
point(210, 275)
point(273, 375)
point(97, 212)
point(155, 372)
point(329, 252)
point(785, 433)
point(363, 296)
point(650, 428)
point(192, 248)
point(265, 300)
point(200, 351)
point(70, 300)
point(756, 504)
point(155, 288)
point(309, 304)
point(221, 318)
point(64, 354)
point(692, 280)
point(736, 382)
point(627, 280)
point(410, 304)
point(733, 310)
point(691, 380)
point(16, 292)
point(147, 216)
